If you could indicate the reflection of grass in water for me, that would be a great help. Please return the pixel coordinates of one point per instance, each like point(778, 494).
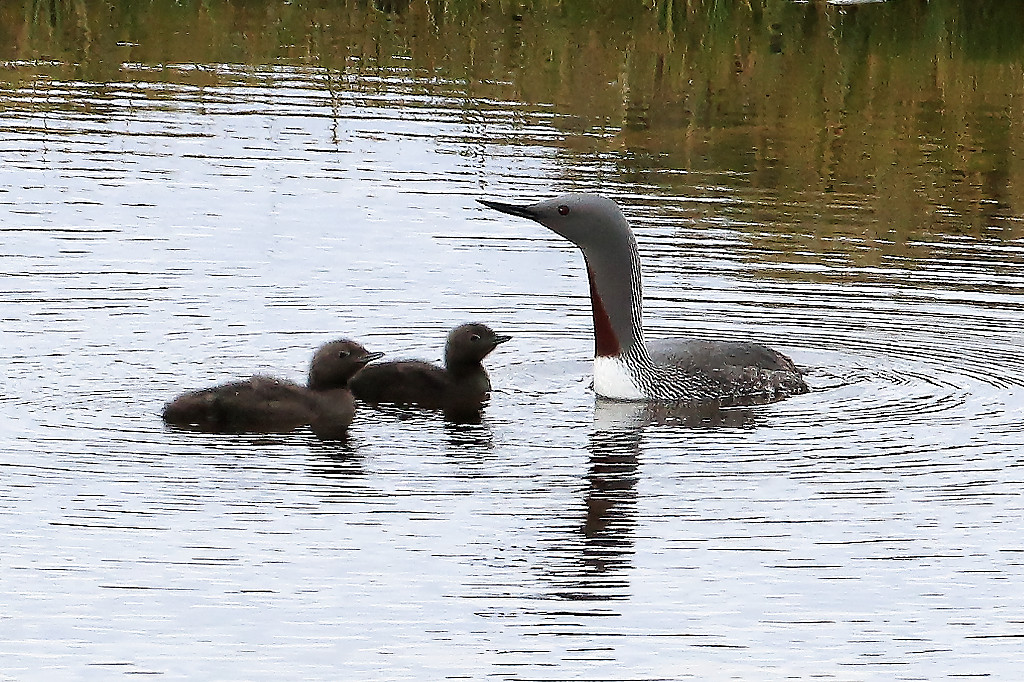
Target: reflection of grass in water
point(54, 21)
point(910, 105)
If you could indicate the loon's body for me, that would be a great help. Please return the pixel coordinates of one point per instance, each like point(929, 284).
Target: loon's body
point(626, 367)
point(460, 388)
point(264, 404)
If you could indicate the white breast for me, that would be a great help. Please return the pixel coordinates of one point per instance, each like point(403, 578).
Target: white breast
point(613, 380)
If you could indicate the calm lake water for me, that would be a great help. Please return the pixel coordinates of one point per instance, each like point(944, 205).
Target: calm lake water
point(172, 221)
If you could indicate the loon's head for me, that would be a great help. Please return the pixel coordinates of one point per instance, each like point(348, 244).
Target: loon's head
point(596, 225)
point(592, 222)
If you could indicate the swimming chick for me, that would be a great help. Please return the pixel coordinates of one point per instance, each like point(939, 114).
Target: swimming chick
point(264, 404)
point(460, 389)
point(626, 367)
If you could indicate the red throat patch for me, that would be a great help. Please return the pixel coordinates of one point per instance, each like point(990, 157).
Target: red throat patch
point(606, 344)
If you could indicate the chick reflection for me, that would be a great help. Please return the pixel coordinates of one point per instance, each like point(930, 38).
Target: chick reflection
point(469, 437)
point(337, 465)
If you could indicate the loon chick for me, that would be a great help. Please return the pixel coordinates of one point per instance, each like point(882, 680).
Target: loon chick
point(264, 404)
point(625, 367)
point(460, 389)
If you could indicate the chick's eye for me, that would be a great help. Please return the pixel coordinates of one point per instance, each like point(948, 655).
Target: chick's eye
point(563, 210)
point(475, 337)
point(343, 353)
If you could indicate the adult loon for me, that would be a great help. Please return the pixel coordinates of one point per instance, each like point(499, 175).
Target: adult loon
point(626, 367)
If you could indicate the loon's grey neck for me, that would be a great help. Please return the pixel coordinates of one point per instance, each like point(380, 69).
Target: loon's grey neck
point(616, 297)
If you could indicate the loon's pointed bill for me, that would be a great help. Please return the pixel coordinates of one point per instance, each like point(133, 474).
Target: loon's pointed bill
point(511, 209)
point(625, 366)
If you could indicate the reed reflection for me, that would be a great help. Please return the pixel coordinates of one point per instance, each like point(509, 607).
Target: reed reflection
point(851, 124)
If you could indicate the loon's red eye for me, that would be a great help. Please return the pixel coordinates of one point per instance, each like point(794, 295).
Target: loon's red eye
point(563, 210)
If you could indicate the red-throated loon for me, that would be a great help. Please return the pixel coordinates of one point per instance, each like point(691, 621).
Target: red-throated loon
point(625, 366)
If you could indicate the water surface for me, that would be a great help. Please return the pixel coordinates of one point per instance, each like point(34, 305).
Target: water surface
point(177, 213)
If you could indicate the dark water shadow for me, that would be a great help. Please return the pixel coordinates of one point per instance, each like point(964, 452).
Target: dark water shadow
point(404, 412)
point(345, 450)
point(466, 429)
